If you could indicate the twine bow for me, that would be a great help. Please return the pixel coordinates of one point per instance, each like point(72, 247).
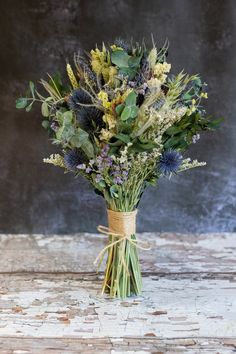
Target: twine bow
point(121, 225)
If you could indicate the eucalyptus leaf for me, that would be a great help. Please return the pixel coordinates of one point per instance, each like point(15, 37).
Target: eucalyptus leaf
point(119, 109)
point(44, 109)
point(126, 113)
point(128, 72)
point(120, 58)
point(45, 124)
point(21, 102)
point(68, 117)
point(29, 107)
point(131, 99)
point(68, 132)
point(134, 112)
point(134, 62)
point(88, 149)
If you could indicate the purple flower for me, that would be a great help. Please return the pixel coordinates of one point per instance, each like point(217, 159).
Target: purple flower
point(105, 150)
point(88, 169)
point(54, 126)
point(118, 180)
point(81, 166)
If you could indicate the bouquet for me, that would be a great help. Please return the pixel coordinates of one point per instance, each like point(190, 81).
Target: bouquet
point(122, 122)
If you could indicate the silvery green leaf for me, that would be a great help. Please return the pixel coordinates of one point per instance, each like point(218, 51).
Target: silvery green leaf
point(44, 109)
point(21, 102)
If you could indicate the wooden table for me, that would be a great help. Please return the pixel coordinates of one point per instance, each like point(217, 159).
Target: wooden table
point(50, 298)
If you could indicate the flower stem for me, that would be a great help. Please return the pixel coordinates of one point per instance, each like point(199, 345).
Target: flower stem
point(122, 274)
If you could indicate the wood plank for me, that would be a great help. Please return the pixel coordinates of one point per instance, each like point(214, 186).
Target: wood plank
point(170, 252)
point(70, 306)
point(116, 346)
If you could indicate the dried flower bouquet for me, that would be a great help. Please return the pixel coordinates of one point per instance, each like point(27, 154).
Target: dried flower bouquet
point(122, 122)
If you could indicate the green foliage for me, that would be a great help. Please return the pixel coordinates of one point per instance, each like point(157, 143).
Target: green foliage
point(114, 191)
point(128, 65)
point(131, 130)
point(70, 135)
point(128, 109)
point(56, 81)
point(45, 109)
point(142, 145)
point(177, 86)
point(21, 102)
point(180, 135)
point(27, 102)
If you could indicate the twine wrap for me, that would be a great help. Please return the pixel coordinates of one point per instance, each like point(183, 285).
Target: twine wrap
point(122, 225)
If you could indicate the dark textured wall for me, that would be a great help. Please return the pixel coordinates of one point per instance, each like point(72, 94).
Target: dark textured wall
point(37, 36)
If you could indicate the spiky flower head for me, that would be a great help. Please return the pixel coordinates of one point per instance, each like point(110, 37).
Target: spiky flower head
point(170, 161)
point(73, 158)
point(119, 42)
point(78, 96)
point(90, 119)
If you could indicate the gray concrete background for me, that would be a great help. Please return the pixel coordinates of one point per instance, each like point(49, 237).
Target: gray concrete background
point(36, 37)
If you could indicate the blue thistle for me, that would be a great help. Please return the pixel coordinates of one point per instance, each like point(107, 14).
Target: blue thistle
point(89, 117)
point(78, 96)
point(73, 158)
point(119, 42)
point(169, 162)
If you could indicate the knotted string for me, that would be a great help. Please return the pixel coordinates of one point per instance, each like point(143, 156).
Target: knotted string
point(121, 225)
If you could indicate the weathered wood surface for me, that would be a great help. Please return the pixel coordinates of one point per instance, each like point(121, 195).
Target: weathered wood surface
point(170, 252)
point(50, 298)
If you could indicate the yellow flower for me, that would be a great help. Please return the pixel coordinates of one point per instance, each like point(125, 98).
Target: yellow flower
point(166, 67)
point(191, 110)
point(154, 83)
point(160, 69)
point(112, 75)
point(106, 135)
point(114, 47)
point(204, 95)
point(103, 97)
point(162, 78)
point(98, 61)
point(110, 120)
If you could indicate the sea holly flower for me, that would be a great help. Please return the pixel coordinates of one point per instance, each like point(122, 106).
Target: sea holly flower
point(73, 158)
point(170, 161)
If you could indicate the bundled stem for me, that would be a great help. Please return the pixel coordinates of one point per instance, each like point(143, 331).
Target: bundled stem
point(123, 273)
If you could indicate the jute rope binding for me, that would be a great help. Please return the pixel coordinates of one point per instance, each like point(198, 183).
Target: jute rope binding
point(122, 225)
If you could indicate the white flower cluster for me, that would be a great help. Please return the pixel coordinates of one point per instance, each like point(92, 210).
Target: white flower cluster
point(164, 119)
point(188, 163)
point(55, 159)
